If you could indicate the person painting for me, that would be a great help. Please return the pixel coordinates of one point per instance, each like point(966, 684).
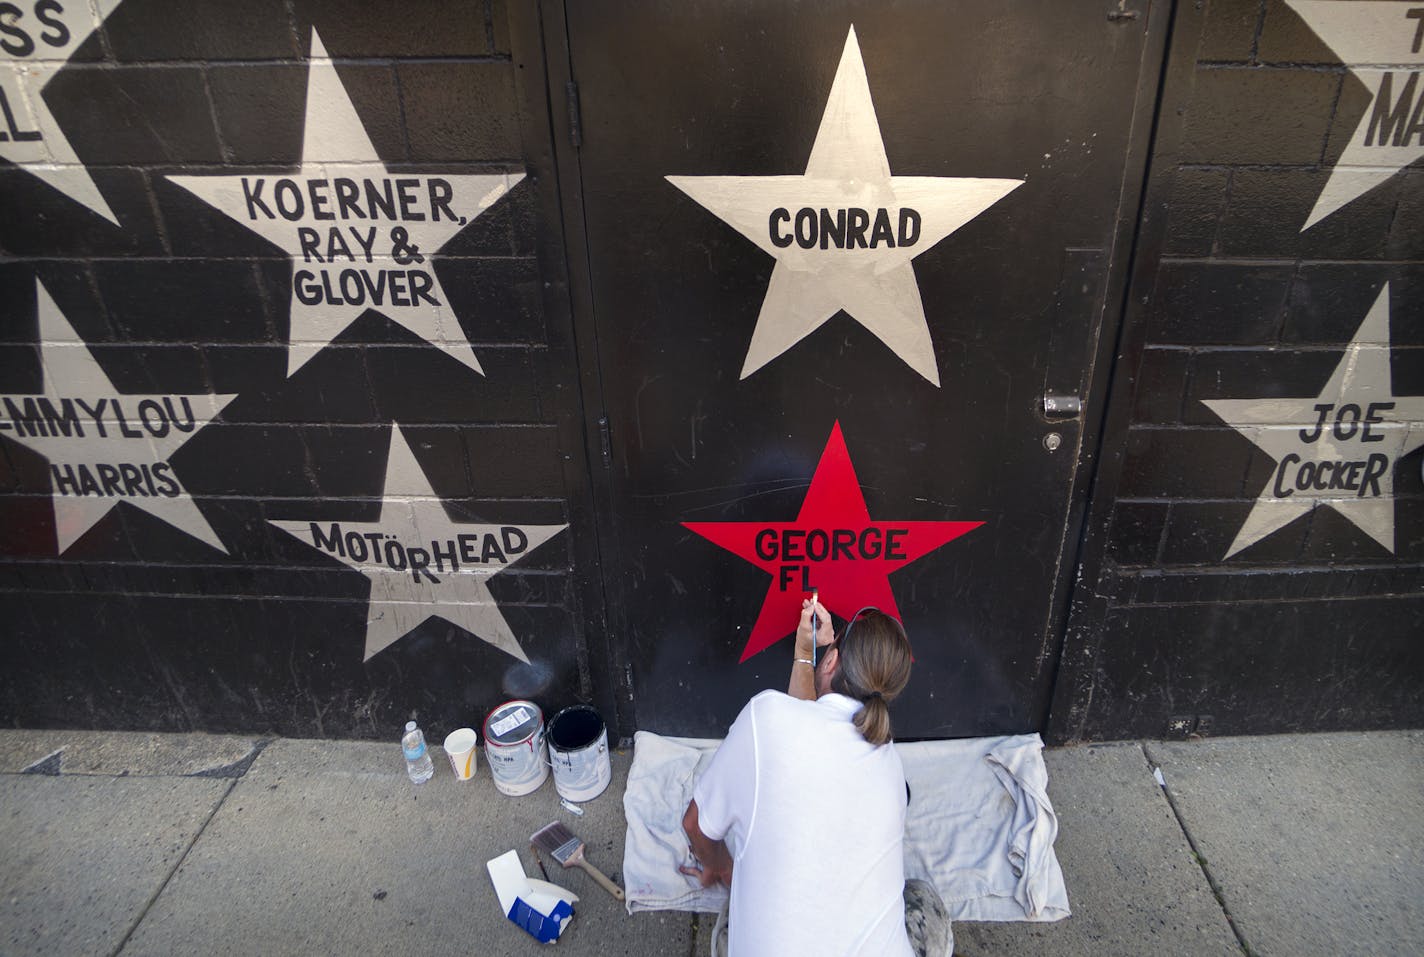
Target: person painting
point(801, 811)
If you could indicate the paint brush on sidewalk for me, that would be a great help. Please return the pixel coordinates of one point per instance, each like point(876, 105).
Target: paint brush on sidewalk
point(564, 846)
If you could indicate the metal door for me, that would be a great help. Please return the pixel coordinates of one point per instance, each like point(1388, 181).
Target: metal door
point(847, 268)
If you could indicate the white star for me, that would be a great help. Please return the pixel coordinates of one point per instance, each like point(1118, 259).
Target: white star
point(359, 236)
point(32, 50)
point(1338, 449)
point(847, 176)
point(421, 564)
point(103, 447)
point(1371, 38)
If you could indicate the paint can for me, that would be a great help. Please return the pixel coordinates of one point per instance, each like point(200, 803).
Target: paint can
point(515, 749)
point(578, 749)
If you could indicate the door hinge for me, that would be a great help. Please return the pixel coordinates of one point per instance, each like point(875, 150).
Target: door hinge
point(605, 442)
point(575, 120)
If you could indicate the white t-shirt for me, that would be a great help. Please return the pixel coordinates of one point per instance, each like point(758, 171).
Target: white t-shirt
point(814, 817)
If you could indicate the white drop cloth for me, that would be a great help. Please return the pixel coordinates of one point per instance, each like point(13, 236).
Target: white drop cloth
point(980, 827)
point(659, 789)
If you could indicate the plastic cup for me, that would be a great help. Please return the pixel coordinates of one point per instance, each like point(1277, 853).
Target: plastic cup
point(460, 749)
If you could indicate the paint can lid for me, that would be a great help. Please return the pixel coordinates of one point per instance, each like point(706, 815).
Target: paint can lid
point(512, 722)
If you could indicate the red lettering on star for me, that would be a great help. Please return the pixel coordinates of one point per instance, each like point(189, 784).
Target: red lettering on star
point(833, 546)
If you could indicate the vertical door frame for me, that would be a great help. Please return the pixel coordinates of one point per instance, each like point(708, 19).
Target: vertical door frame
point(1097, 582)
point(1154, 18)
point(539, 50)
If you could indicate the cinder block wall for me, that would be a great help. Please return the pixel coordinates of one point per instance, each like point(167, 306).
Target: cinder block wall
point(1315, 625)
point(218, 619)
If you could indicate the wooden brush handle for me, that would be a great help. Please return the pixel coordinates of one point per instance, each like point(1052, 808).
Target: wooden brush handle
point(602, 879)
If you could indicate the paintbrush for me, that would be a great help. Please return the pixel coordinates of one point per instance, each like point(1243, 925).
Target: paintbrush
point(815, 625)
point(566, 847)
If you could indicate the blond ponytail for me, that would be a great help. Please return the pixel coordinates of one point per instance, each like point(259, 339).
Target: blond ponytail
point(873, 720)
point(874, 656)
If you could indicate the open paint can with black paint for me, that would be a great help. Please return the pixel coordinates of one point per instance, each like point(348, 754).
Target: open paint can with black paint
point(578, 750)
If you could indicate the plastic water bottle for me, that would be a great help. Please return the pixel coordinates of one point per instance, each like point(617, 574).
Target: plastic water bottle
point(417, 757)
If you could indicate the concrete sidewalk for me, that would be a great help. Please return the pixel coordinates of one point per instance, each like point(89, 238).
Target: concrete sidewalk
point(164, 844)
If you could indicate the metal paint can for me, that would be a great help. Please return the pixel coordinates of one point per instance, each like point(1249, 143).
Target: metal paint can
point(578, 749)
point(515, 749)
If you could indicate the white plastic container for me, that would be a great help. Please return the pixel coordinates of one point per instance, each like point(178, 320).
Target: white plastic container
point(460, 749)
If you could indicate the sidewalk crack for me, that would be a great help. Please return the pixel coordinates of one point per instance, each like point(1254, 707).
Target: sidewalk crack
point(1155, 766)
point(158, 892)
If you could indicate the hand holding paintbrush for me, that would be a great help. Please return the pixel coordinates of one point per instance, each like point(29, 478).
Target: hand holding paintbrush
point(564, 846)
point(814, 639)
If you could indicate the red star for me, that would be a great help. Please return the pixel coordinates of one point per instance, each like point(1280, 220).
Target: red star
point(833, 546)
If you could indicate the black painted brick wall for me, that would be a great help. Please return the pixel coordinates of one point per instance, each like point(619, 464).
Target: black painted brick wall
point(1316, 626)
point(139, 625)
